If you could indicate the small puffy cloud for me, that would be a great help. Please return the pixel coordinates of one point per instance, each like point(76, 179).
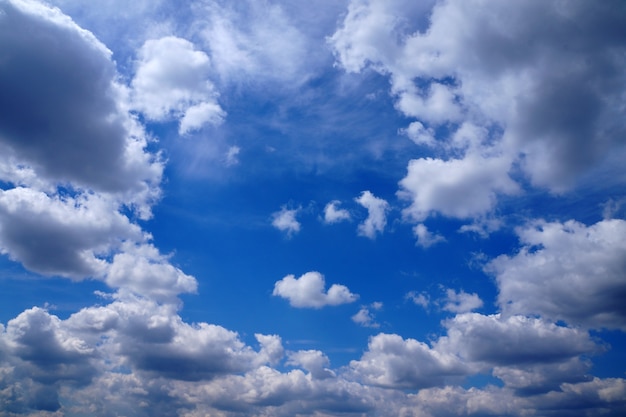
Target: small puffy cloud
point(426, 238)
point(459, 188)
point(285, 220)
point(253, 41)
point(171, 82)
point(365, 317)
point(566, 271)
point(377, 210)
point(333, 214)
point(308, 291)
point(461, 302)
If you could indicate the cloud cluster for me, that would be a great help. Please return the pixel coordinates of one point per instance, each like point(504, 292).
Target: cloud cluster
point(75, 167)
point(77, 173)
point(171, 81)
point(517, 92)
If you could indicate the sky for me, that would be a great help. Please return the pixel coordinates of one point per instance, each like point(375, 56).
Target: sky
point(335, 208)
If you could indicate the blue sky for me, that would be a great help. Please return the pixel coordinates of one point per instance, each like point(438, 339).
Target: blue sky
point(338, 208)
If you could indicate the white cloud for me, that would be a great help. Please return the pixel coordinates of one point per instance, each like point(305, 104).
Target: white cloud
point(313, 361)
point(376, 220)
point(308, 291)
point(333, 214)
point(256, 41)
point(171, 82)
point(513, 340)
point(419, 134)
point(364, 317)
point(551, 110)
point(460, 188)
point(566, 271)
point(141, 269)
point(285, 221)
point(461, 302)
point(392, 361)
point(65, 236)
point(425, 238)
point(78, 170)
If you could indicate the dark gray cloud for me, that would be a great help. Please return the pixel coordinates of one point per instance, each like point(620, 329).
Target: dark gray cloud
point(61, 110)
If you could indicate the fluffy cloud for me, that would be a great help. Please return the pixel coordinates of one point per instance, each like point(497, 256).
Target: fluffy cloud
point(506, 71)
point(63, 114)
point(313, 361)
point(333, 214)
point(171, 82)
point(512, 340)
point(376, 220)
point(66, 236)
point(73, 161)
point(143, 270)
point(566, 271)
point(285, 221)
point(308, 291)
point(460, 188)
point(392, 361)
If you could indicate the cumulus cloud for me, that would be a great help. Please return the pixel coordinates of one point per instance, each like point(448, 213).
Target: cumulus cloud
point(313, 361)
point(285, 220)
point(377, 210)
point(419, 134)
point(506, 71)
point(63, 114)
point(459, 188)
point(64, 236)
point(333, 214)
point(365, 317)
point(391, 361)
point(499, 340)
point(566, 271)
point(171, 82)
point(308, 291)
